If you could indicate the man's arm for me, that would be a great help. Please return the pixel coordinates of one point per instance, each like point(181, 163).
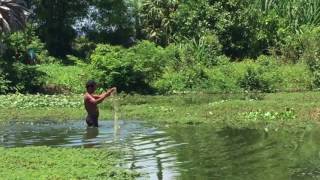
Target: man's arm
point(94, 99)
point(107, 93)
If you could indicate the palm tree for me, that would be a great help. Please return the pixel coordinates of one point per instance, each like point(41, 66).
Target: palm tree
point(13, 15)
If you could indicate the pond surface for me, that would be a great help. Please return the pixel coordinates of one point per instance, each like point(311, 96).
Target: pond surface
point(183, 152)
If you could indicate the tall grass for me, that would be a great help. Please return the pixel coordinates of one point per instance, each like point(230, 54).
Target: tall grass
point(297, 12)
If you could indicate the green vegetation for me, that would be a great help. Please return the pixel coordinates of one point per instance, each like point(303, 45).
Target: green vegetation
point(153, 47)
point(60, 163)
point(64, 79)
point(272, 111)
point(225, 63)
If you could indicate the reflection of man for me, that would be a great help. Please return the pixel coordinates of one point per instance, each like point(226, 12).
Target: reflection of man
point(91, 133)
point(91, 102)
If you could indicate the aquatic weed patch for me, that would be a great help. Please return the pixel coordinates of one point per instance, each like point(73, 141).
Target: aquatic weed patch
point(60, 163)
point(276, 110)
point(260, 115)
point(266, 119)
point(40, 101)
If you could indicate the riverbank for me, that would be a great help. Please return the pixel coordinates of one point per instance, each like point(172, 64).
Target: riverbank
point(225, 110)
point(268, 112)
point(60, 163)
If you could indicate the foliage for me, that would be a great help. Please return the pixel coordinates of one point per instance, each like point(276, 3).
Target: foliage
point(218, 110)
point(311, 53)
point(60, 163)
point(296, 13)
point(22, 78)
point(83, 47)
point(4, 83)
point(295, 77)
point(130, 70)
point(111, 22)
point(189, 79)
point(264, 77)
point(64, 79)
point(13, 15)
point(259, 115)
point(157, 21)
point(20, 101)
point(55, 20)
point(19, 43)
point(193, 43)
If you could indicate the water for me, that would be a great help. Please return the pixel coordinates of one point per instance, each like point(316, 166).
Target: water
point(183, 152)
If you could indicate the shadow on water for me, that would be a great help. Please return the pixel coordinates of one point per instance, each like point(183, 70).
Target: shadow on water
point(184, 152)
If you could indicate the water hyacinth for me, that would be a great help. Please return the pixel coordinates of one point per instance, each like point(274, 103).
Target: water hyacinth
point(288, 114)
point(40, 101)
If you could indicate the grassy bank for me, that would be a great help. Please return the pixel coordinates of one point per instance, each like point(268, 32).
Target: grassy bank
point(239, 110)
point(60, 163)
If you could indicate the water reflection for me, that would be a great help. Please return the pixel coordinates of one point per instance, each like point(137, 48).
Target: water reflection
point(91, 133)
point(184, 152)
point(90, 136)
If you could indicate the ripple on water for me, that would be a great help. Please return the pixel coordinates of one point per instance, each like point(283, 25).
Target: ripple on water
point(183, 152)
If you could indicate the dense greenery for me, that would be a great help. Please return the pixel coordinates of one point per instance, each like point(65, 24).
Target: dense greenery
point(215, 60)
point(152, 46)
point(60, 163)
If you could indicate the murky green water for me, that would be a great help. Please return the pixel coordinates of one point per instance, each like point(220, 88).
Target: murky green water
point(184, 152)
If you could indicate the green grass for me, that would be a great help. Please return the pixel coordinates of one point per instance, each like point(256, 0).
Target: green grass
point(60, 163)
point(272, 110)
point(68, 78)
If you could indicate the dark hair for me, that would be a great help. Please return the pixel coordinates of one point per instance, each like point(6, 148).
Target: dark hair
point(91, 83)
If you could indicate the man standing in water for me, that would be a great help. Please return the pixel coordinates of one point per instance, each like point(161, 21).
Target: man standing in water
point(91, 102)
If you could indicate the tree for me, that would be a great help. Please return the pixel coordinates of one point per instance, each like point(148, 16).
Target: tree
point(13, 15)
point(157, 21)
point(55, 20)
point(111, 22)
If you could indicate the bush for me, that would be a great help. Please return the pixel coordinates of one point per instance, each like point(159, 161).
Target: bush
point(183, 80)
point(64, 79)
point(223, 78)
point(311, 53)
point(4, 84)
point(295, 77)
point(23, 78)
point(83, 47)
point(131, 69)
point(264, 76)
point(187, 65)
point(21, 43)
point(253, 81)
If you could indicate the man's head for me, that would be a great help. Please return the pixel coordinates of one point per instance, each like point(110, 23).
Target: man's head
point(91, 86)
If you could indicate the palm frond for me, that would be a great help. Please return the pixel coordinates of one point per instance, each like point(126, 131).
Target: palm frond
point(13, 15)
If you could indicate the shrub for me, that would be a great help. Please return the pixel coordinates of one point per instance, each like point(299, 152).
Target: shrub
point(295, 77)
point(131, 69)
point(183, 80)
point(311, 54)
point(21, 43)
point(264, 76)
point(4, 84)
point(23, 78)
point(64, 79)
point(83, 47)
point(223, 78)
point(187, 66)
point(253, 81)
